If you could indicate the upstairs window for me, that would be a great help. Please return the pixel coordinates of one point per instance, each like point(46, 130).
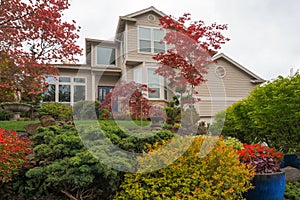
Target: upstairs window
point(150, 40)
point(106, 56)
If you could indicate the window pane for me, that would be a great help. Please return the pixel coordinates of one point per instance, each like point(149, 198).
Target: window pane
point(152, 77)
point(156, 93)
point(153, 83)
point(159, 47)
point(64, 93)
point(49, 94)
point(106, 56)
point(79, 80)
point(64, 79)
point(144, 33)
point(158, 34)
point(79, 93)
point(50, 79)
point(138, 75)
point(145, 46)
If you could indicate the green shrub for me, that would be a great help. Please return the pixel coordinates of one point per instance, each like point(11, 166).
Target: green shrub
point(86, 110)
point(292, 190)
point(64, 168)
point(219, 175)
point(5, 115)
point(269, 114)
point(104, 114)
point(58, 111)
point(238, 145)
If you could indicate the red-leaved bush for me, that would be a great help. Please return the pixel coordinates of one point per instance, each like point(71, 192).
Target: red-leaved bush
point(14, 152)
point(264, 159)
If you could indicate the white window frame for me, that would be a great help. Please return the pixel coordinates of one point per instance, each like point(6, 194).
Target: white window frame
point(151, 39)
point(72, 83)
point(161, 84)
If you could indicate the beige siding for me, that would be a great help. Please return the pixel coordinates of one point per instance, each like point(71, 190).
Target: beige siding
point(107, 80)
point(132, 36)
point(129, 75)
point(219, 93)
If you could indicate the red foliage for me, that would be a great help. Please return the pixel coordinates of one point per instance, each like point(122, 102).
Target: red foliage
point(13, 153)
point(186, 62)
point(32, 36)
point(129, 97)
point(264, 159)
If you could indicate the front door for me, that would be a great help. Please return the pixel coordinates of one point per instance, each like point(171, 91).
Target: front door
point(103, 91)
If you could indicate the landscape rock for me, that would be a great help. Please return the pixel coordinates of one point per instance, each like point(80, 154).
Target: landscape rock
point(292, 174)
point(47, 120)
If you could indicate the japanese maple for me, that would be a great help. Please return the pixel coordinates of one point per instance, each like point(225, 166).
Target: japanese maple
point(33, 36)
point(14, 152)
point(191, 47)
point(130, 98)
point(264, 159)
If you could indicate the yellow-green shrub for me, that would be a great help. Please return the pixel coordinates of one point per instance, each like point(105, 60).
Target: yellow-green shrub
point(219, 175)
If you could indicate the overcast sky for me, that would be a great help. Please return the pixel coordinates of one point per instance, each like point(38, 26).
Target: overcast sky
point(264, 34)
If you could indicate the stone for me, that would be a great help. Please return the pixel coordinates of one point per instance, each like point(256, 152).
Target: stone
point(292, 174)
point(31, 128)
point(47, 120)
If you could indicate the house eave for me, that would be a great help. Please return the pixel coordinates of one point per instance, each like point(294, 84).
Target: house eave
point(256, 79)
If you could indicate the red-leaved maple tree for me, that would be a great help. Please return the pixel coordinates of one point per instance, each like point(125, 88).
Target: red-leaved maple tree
point(190, 50)
point(33, 36)
point(128, 97)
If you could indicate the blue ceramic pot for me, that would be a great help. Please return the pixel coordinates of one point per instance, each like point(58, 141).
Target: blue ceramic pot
point(270, 186)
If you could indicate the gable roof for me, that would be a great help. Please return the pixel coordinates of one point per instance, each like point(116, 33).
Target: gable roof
point(140, 12)
point(131, 17)
point(256, 79)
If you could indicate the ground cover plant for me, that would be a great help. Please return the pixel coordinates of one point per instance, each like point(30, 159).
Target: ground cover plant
point(13, 155)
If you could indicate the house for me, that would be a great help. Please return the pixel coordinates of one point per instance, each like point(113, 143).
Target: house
point(129, 57)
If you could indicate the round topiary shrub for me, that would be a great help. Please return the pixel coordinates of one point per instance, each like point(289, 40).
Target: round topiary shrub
point(58, 111)
point(219, 175)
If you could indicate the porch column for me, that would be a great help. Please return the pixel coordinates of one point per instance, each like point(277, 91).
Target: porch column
point(93, 87)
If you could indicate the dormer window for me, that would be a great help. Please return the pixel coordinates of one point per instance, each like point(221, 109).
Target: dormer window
point(106, 56)
point(150, 40)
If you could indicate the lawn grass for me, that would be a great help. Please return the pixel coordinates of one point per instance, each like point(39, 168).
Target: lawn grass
point(19, 125)
point(15, 125)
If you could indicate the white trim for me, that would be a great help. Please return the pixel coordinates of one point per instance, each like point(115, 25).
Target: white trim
point(161, 83)
point(218, 75)
point(222, 55)
point(93, 87)
point(71, 84)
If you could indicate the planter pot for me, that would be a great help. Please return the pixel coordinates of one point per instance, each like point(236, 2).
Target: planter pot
point(267, 187)
point(156, 122)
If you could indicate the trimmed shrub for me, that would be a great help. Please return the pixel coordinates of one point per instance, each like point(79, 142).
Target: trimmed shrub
point(85, 110)
point(5, 115)
point(219, 175)
point(58, 111)
point(64, 169)
point(270, 114)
